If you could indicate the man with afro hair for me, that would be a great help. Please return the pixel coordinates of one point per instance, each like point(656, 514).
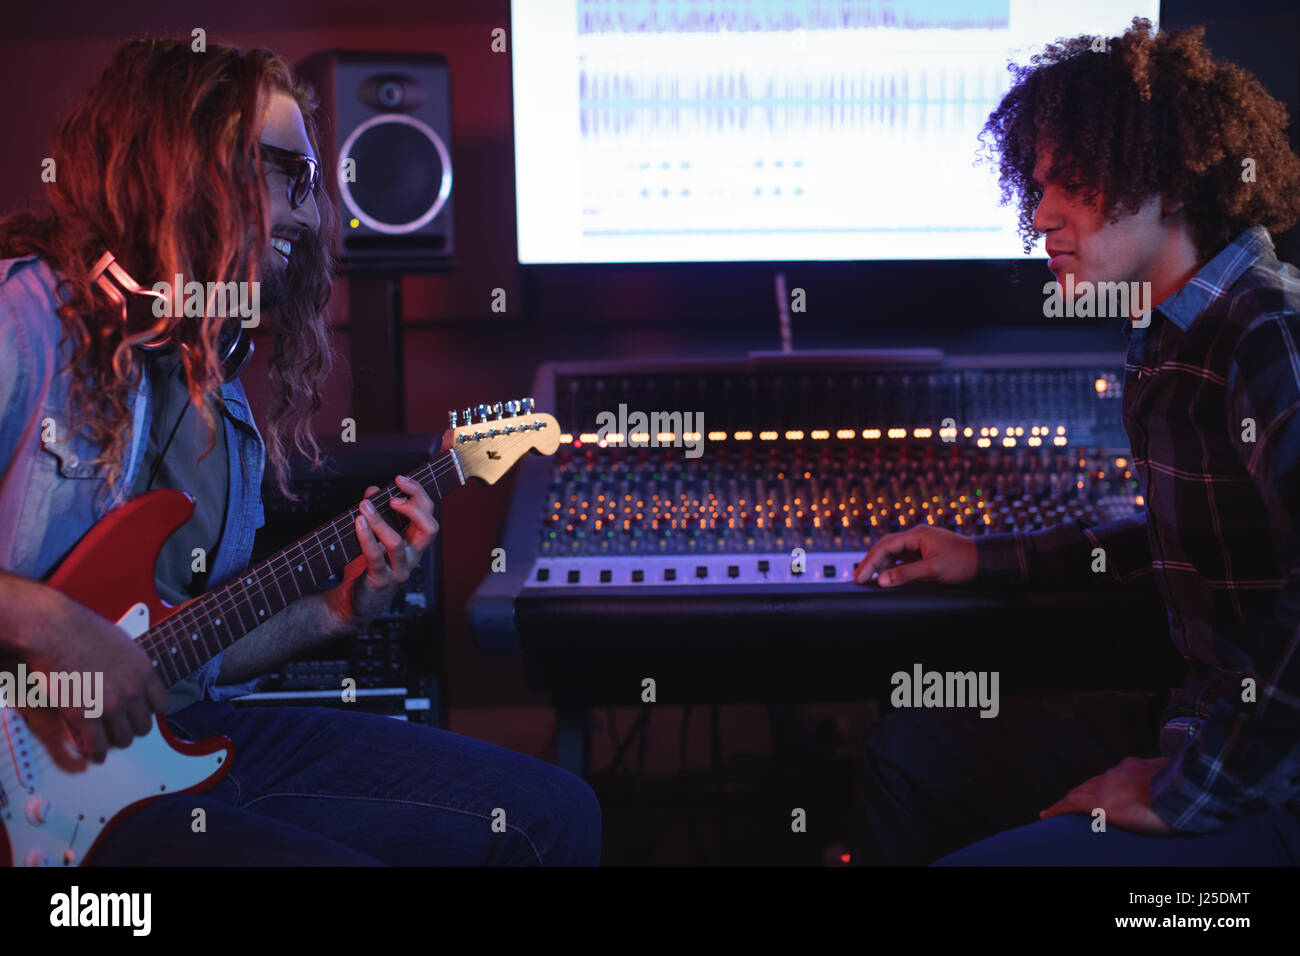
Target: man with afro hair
point(1141, 159)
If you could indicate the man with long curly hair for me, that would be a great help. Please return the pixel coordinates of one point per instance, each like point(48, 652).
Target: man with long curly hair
point(202, 164)
point(1141, 159)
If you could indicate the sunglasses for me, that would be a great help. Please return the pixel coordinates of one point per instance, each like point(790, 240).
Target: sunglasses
point(303, 171)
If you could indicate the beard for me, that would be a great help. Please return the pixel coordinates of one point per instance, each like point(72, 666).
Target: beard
point(274, 273)
point(281, 281)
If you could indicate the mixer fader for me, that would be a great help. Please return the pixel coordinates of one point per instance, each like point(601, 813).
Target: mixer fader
point(804, 462)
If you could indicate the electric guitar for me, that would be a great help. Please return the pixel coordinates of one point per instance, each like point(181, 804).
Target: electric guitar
point(56, 805)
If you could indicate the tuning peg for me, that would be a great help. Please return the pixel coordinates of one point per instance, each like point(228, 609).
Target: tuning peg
point(497, 411)
point(528, 406)
point(467, 416)
point(451, 416)
point(512, 408)
point(482, 412)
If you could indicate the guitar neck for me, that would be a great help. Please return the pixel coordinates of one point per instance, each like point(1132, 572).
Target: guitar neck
point(204, 627)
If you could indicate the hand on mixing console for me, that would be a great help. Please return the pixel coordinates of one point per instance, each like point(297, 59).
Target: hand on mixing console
point(926, 553)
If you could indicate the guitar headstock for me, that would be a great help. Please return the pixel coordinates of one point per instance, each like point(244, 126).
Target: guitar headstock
point(490, 439)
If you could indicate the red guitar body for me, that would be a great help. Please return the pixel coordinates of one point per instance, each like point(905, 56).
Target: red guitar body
point(56, 806)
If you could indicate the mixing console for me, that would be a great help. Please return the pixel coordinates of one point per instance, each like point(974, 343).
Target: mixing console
point(735, 516)
point(635, 504)
point(769, 475)
point(715, 550)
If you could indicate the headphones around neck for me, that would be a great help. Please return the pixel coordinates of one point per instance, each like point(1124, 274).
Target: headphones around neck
point(235, 344)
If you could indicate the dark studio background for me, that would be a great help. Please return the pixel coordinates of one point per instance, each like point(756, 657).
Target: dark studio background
point(458, 352)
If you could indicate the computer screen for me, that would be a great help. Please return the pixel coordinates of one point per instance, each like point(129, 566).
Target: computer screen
point(771, 130)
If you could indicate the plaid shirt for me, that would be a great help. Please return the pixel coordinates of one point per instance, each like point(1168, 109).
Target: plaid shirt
point(1211, 388)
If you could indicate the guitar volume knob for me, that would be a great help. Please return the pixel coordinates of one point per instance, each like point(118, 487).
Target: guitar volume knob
point(37, 810)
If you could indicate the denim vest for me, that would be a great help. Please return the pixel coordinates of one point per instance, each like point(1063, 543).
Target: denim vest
point(50, 492)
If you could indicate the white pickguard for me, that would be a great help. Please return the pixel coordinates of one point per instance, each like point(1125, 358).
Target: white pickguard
point(52, 815)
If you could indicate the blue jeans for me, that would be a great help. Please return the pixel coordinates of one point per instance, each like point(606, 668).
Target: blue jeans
point(1264, 839)
point(949, 788)
point(318, 786)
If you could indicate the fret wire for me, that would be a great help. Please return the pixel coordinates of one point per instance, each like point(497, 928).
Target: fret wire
point(253, 579)
point(284, 601)
point(200, 619)
point(165, 664)
point(178, 654)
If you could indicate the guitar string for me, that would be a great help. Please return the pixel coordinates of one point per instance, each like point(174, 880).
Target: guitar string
point(226, 603)
point(277, 564)
point(42, 759)
point(199, 620)
point(225, 600)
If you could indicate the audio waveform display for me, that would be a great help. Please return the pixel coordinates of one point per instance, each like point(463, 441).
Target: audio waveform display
point(743, 16)
point(712, 130)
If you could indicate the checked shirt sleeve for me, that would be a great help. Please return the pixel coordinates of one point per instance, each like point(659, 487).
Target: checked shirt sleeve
point(1063, 554)
point(1246, 757)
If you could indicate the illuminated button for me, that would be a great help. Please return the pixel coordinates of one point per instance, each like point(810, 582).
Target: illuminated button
point(828, 571)
point(573, 577)
point(670, 574)
point(543, 574)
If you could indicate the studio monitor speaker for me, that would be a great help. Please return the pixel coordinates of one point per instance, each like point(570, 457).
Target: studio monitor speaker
point(385, 128)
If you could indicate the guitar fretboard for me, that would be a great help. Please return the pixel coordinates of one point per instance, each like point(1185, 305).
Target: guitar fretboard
point(213, 621)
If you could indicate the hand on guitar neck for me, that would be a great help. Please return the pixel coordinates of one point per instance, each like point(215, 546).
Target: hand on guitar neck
point(371, 581)
point(52, 632)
